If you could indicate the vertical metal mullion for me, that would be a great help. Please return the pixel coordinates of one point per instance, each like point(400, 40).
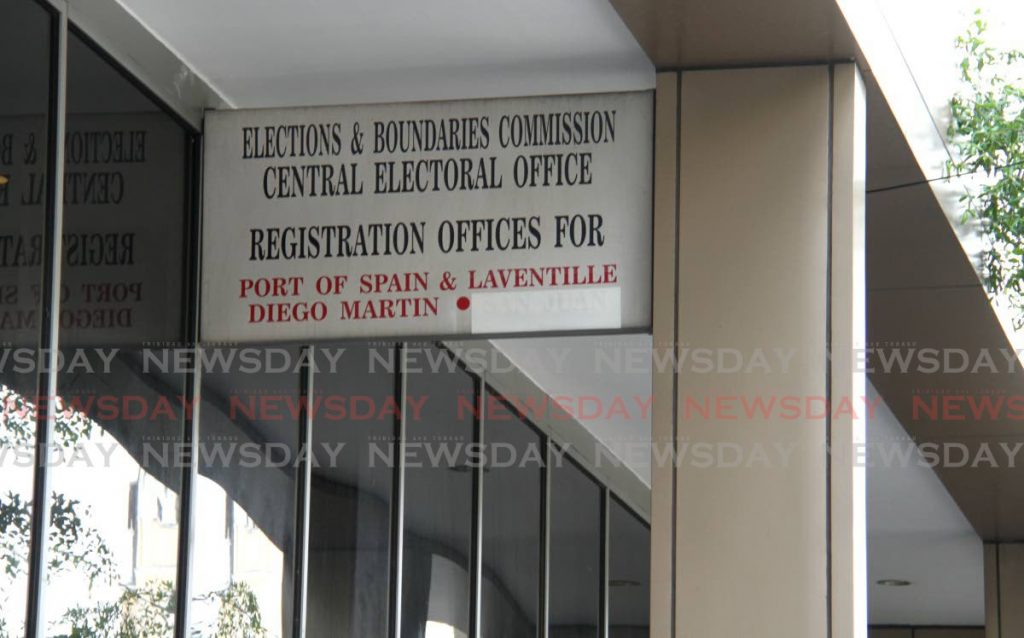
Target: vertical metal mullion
point(476, 552)
point(303, 484)
point(190, 478)
point(544, 604)
point(605, 533)
point(46, 382)
point(398, 498)
point(193, 382)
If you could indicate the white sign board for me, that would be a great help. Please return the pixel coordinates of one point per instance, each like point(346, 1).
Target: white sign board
point(433, 219)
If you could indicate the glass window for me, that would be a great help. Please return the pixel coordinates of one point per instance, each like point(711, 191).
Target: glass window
point(355, 412)
point(24, 38)
point(113, 544)
point(439, 415)
point(115, 471)
point(629, 580)
point(575, 567)
point(511, 535)
point(248, 457)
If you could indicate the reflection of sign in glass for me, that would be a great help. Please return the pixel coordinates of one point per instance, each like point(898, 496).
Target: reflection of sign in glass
point(124, 207)
point(22, 217)
point(476, 217)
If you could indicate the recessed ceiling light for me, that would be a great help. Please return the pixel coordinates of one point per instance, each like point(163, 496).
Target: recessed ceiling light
point(893, 582)
point(4, 179)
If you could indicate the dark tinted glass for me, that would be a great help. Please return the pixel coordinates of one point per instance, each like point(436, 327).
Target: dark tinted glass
point(438, 496)
point(245, 500)
point(629, 580)
point(575, 578)
point(24, 97)
point(355, 412)
point(511, 524)
point(115, 491)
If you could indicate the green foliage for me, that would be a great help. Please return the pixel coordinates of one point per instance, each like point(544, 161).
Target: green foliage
point(73, 546)
point(987, 132)
point(238, 614)
point(145, 611)
point(148, 612)
point(15, 519)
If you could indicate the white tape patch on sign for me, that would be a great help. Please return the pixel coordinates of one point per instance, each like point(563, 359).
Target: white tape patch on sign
point(547, 310)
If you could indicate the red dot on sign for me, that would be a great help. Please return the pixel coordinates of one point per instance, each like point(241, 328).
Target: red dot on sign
point(462, 303)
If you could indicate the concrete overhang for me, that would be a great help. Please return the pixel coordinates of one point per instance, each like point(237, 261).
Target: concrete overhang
point(924, 291)
point(726, 33)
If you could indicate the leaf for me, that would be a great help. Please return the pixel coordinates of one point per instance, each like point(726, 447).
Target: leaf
point(986, 130)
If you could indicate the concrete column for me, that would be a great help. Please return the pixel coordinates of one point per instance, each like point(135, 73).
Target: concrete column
point(756, 530)
point(666, 213)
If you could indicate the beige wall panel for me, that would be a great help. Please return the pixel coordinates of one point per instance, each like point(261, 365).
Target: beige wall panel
point(754, 202)
point(1011, 590)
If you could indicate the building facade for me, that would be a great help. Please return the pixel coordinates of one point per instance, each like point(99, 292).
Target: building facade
point(187, 457)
